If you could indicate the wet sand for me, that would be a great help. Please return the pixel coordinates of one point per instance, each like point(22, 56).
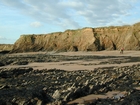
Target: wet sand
point(81, 64)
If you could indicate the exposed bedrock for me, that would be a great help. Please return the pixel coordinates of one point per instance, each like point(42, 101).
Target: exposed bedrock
point(26, 86)
point(5, 48)
point(86, 39)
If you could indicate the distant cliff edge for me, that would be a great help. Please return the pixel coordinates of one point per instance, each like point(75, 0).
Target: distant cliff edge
point(86, 39)
point(5, 48)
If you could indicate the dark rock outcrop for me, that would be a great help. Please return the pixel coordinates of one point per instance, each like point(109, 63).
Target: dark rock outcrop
point(86, 39)
point(29, 86)
point(55, 87)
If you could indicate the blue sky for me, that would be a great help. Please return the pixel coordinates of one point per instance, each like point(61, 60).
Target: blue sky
point(18, 17)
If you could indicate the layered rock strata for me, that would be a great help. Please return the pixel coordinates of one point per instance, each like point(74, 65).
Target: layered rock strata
point(86, 39)
point(29, 86)
point(5, 48)
point(25, 86)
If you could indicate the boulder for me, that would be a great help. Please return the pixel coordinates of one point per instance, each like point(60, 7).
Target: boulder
point(1, 64)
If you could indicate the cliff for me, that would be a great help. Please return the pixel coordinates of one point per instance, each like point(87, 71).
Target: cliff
point(5, 47)
point(86, 39)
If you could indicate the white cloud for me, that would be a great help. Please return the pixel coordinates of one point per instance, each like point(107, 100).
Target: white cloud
point(73, 13)
point(36, 24)
point(2, 38)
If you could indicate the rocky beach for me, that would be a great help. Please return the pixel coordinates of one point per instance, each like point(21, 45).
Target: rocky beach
point(69, 52)
point(74, 67)
point(70, 78)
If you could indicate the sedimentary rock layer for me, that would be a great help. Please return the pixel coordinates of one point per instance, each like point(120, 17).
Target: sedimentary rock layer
point(86, 39)
point(5, 48)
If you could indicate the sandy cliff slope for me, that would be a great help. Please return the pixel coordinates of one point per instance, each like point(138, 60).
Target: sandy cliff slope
point(86, 39)
point(6, 47)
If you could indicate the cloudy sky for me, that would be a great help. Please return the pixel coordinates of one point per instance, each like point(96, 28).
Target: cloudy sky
point(19, 17)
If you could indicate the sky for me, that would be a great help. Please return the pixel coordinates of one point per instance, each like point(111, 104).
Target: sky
point(18, 17)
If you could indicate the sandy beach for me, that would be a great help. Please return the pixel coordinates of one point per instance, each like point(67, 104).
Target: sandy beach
point(82, 64)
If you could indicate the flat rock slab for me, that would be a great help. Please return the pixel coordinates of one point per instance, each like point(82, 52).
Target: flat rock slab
point(93, 97)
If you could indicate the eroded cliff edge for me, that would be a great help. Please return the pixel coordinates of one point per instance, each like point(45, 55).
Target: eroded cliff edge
point(86, 39)
point(5, 48)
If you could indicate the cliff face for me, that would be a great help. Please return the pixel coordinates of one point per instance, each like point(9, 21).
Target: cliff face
point(86, 39)
point(6, 47)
